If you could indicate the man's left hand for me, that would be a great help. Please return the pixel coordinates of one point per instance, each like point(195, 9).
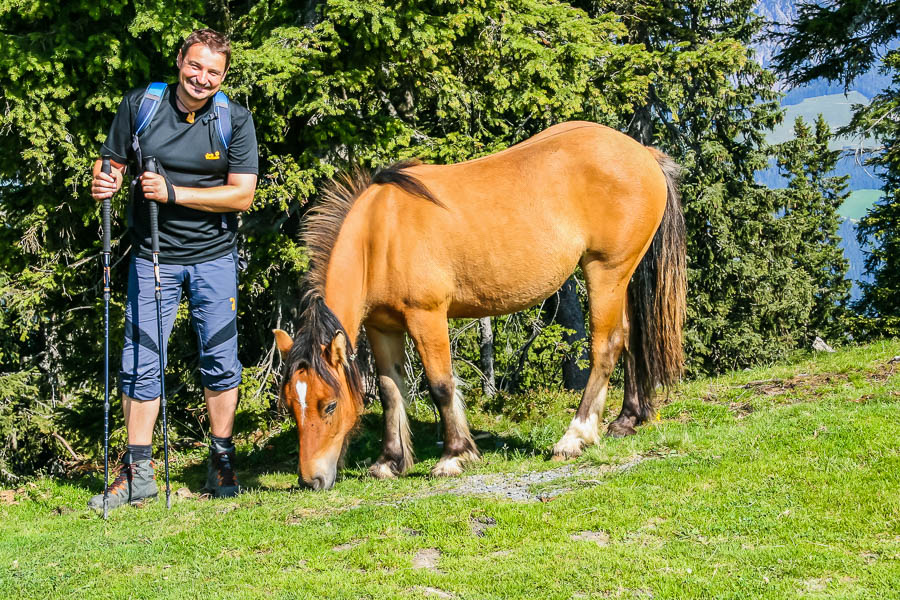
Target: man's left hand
point(154, 187)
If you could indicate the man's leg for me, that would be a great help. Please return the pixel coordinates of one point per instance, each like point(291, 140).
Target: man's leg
point(221, 406)
point(139, 378)
point(213, 301)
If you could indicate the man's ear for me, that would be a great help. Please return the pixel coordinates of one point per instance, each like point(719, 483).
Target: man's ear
point(283, 341)
point(178, 60)
point(337, 350)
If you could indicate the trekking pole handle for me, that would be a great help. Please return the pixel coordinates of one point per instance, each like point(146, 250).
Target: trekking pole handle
point(151, 165)
point(106, 167)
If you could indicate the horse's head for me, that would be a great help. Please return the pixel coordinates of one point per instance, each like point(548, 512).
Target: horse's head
point(320, 387)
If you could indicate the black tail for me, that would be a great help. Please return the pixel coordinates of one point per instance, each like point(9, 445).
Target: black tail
point(657, 296)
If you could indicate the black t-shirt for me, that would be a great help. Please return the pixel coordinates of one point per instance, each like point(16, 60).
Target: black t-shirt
point(192, 155)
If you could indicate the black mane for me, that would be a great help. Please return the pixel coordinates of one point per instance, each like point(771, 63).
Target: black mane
point(318, 326)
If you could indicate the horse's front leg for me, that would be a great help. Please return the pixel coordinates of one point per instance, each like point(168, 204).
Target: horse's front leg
point(397, 453)
point(430, 334)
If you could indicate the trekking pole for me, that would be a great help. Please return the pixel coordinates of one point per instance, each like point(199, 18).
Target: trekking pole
point(106, 168)
point(151, 165)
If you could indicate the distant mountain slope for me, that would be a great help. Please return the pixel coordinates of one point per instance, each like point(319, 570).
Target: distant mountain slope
point(837, 110)
point(855, 255)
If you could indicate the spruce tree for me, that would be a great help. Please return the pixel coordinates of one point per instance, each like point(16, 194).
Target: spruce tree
point(810, 212)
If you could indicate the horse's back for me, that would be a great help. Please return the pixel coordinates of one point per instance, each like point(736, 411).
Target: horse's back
point(511, 226)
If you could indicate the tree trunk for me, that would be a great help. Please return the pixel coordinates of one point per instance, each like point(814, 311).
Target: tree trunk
point(488, 383)
point(564, 308)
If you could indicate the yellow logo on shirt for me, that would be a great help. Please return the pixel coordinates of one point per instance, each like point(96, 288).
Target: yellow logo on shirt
point(211, 156)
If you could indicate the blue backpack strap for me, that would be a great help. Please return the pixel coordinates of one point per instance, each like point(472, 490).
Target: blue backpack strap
point(149, 103)
point(223, 118)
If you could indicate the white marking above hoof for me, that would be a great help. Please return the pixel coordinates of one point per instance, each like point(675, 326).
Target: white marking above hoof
point(381, 470)
point(568, 447)
point(447, 467)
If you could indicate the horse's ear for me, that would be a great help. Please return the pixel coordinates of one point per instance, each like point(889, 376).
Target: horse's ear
point(337, 350)
point(283, 341)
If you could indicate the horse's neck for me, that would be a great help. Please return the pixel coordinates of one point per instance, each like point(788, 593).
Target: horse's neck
point(345, 286)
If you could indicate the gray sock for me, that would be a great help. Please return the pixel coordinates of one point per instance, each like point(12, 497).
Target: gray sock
point(137, 452)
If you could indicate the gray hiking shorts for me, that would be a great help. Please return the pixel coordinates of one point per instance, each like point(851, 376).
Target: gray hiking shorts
point(211, 290)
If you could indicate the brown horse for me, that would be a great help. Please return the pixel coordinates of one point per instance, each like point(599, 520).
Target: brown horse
point(402, 251)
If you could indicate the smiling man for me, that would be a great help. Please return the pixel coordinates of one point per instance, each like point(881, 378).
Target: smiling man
point(205, 180)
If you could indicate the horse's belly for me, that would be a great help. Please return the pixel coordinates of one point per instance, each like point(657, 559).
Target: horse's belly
point(511, 281)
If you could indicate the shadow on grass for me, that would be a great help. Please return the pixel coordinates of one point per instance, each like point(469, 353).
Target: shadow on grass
point(279, 456)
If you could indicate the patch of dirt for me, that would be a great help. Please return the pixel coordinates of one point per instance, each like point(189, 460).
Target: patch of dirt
point(816, 585)
point(430, 591)
point(8, 497)
point(519, 487)
point(183, 492)
point(740, 409)
point(886, 371)
point(601, 538)
point(427, 559)
point(348, 545)
point(479, 525)
point(801, 381)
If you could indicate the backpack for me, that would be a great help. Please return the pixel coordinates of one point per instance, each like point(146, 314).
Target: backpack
point(151, 101)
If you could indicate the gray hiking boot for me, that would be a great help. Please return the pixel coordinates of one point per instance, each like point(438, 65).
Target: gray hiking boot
point(135, 483)
point(221, 479)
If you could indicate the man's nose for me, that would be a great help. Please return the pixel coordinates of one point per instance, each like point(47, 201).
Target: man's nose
point(202, 77)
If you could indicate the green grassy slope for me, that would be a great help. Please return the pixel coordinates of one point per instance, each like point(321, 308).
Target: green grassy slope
point(779, 482)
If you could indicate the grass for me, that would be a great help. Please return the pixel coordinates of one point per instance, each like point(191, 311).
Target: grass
point(778, 482)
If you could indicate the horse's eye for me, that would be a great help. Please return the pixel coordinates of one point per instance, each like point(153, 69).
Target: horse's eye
point(330, 408)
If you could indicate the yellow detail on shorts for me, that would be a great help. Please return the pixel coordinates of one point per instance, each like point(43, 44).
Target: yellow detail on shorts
point(232, 301)
point(212, 156)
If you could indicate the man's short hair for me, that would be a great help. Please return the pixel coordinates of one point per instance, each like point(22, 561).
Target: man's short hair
point(212, 39)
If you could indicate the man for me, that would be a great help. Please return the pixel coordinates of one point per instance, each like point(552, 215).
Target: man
point(202, 188)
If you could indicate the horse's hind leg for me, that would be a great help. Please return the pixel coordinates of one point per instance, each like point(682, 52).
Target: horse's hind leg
point(396, 454)
point(606, 292)
point(629, 417)
point(430, 334)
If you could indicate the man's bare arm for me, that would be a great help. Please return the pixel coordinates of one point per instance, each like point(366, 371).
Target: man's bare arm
point(235, 196)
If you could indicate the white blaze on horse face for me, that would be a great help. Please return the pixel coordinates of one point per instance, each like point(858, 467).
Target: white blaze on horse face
point(301, 398)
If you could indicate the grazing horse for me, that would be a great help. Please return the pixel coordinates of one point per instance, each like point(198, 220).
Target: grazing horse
point(406, 249)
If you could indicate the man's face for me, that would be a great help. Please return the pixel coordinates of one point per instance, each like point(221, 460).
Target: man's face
point(200, 71)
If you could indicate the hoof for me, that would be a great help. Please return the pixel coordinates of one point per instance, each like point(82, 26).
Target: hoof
point(382, 470)
point(448, 467)
point(567, 448)
point(620, 430)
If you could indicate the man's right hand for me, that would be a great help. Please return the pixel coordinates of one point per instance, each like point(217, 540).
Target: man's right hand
point(104, 185)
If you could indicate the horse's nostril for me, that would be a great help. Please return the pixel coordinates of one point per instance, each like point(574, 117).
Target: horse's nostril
point(318, 483)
